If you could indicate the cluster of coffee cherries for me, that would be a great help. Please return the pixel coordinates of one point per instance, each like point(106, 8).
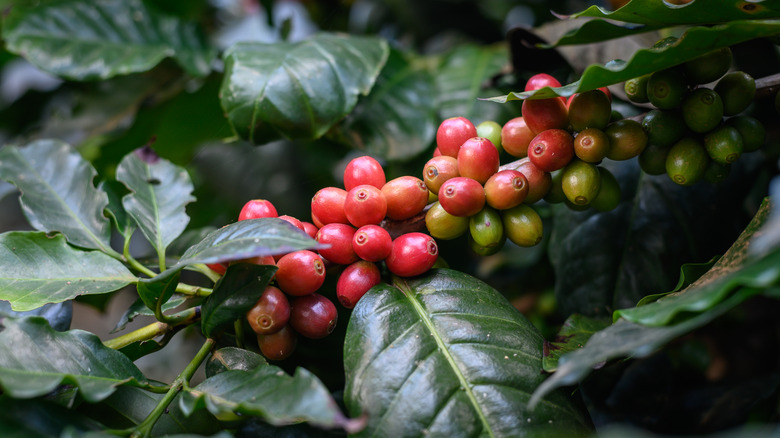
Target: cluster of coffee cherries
point(697, 128)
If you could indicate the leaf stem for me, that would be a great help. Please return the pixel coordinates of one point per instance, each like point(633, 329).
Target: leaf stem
point(195, 291)
point(182, 382)
point(155, 329)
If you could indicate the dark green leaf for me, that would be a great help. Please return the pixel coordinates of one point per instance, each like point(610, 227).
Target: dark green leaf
point(36, 269)
point(269, 393)
point(39, 419)
point(122, 221)
point(298, 90)
point(397, 120)
point(572, 336)
point(158, 290)
point(234, 294)
point(59, 315)
point(139, 308)
point(446, 354)
point(232, 358)
point(689, 273)
point(160, 192)
point(695, 12)
point(35, 360)
point(85, 39)
point(57, 192)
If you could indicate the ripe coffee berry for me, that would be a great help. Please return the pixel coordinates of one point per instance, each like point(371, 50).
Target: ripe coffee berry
point(355, 281)
point(541, 80)
point(364, 170)
point(313, 316)
point(543, 114)
point(365, 205)
point(300, 272)
point(438, 170)
point(327, 206)
point(293, 221)
point(515, 136)
point(310, 229)
point(478, 159)
point(372, 243)
point(506, 189)
point(279, 345)
point(405, 196)
point(412, 254)
point(270, 313)
point(339, 237)
point(452, 133)
point(461, 196)
point(551, 150)
point(257, 208)
point(539, 181)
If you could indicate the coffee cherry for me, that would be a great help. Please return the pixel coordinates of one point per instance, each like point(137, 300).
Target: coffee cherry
point(627, 139)
point(543, 114)
point(270, 313)
point(751, 130)
point(580, 182)
point(539, 181)
point(439, 169)
point(405, 197)
point(412, 254)
point(702, 110)
point(666, 89)
point(444, 226)
point(723, 144)
point(551, 149)
point(663, 127)
point(355, 281)
point(491, 131)
point(372, 243)
point(219, 268)
point(327, 206)
point(339, 237)
point(452, 133)
point(515, 137)
point(310, 229)
point(589, 109)
point(257, 208)
point(313, 316)
point(737, 90)
point(486, 228)
point(541, 80)
point(462, 196)
point(687, 161)
point(300, 272)
point(365, 205)
point(486, 250)
point(652, 160)
point(609, 194)
point(591, 145)
point(556, 195)
point(636, 89)
point(363, 170)
point(478, 159)
point(279, 345)
point(708, 67)
point(506, 189)
point(716, 172)
point(293, 221)
point(522, 225)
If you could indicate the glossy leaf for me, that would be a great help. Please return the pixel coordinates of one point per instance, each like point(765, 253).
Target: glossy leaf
point(36, 269)
point(124, 224)
point(689, 273)
point(695, 12)
point(298, 90)
point(84, 39)
point(234, 294)
point(232, 358)
point(269, 393)
point(160, 192)
point(157, 291)
point(57, 192)
point(572, 336)
point(59, 315)
point(397, 120)
point(39, 419)
point(445, 354)
point(35, 360)
point(139, 308)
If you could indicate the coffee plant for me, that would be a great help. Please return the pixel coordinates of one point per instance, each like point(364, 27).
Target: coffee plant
point(389, 219)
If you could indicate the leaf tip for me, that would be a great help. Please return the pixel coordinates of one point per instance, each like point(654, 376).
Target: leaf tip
point(146, 154)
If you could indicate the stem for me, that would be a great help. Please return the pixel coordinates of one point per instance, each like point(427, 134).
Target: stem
point(135, 264)
point(182, 381)
point(154, 329)
point(239, 328)
point(196, 291)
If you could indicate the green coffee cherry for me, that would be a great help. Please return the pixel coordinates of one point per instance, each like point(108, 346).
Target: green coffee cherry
point(485, 250)
point(716, 172)
point(492, 131)
point(737, 90)
point(687, 161)
point(723, 144)
point(752, 131)
point(555, 195)
point(486, 228)
point(663, 127)
point(522, 225)
point(708, 67)
point(580, 182)
point(609, 193)
point(702, 110)
point(627, 139)
point(666, 89)
point(652, 160)
point(444, 226)
point(589, 109)
point(636, 89)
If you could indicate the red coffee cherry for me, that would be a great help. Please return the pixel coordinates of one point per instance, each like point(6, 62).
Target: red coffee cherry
point(313, 316)
point(541, 80)
point(461, 196)
point(551, 150)
point(405, 196)
point(310, 229)
point(365, 205)
point(294, 221)
point(515, 136)
point(300, 272)
point(543, 114)
point(355, 281)
point(506, 189)
point(270, 313)
point(478, 159)
point(257, 208)
point(339, 237)
point(412, 254)
point(327, 206)
point(219, 268)
point(372, 243)
point(364, 170)
point(279, 345)
point(539, 181)
point(439, 169)
point(452, 133)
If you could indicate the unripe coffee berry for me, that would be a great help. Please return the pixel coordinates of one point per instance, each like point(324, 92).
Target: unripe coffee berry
point(313, 316)
point(355, 281)
point(551, 149)
point(257, 208)
point(327, 206)
point(442, 225)
point(627, 139)
point(300, 272)
point(364, 170)
point(589, 109)
point(478, 159)
point(515, 137)
point(491, 131)
point(506, 189)
point(522, 225)
point(365, 205)
point(452, 133)
point(462, 196)
point(591, 145)
point(372, 243)
point(270, 313)
point(412, 254)
point(339, 237)
point(438, 170)
point(405, 196)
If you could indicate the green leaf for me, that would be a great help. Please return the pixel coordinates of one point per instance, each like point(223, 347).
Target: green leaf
point(246, 239)
point(124, 224)
point(298, 90)
point(232, 358)
point(445, 354)
point(695, 12)
point(160, 192)
point(36, 269)
point(39, 419)
point(234, 294)
point(158, 290)
point(35, 360)
point(139, 308)
point(397, 120)
point(572, 336)
point(689, 273)
point(269, 393)
point(57, 192)
point(98, 39)
point(59, 315)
